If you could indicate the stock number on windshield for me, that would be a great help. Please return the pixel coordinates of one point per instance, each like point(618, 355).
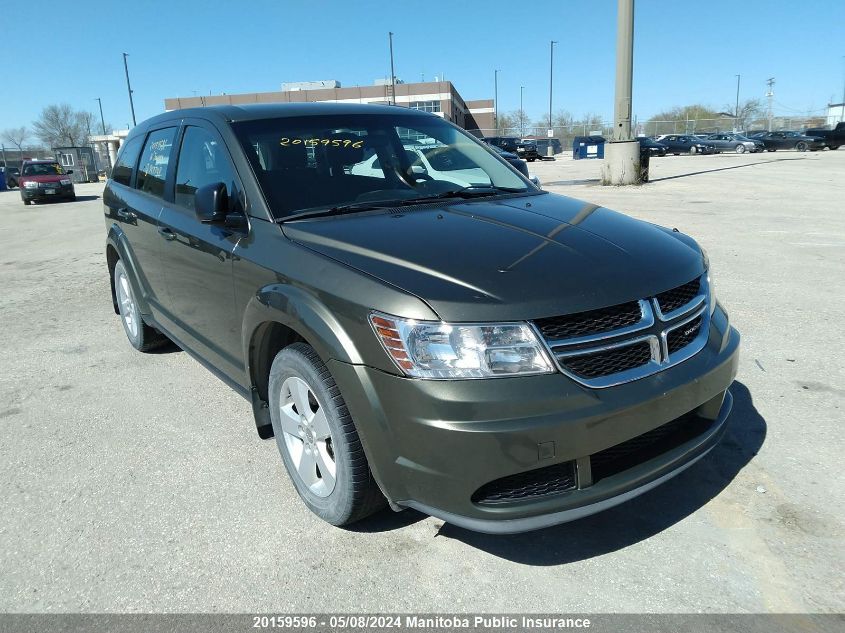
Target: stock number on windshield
point(326, 142)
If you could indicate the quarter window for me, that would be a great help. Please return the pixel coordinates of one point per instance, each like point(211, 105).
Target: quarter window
point(152, 171)
point(203, 160)
point(122, 171)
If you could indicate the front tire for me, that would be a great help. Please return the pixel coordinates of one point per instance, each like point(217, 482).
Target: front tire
point(141, 336)
point(740, 149)
point(801, 146)
point(692, 150)
point(318, 440)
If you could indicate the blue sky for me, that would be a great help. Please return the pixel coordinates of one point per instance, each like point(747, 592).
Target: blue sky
point(683, 53)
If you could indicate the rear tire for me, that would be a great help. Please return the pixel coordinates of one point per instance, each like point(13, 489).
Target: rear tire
point(316, 435)
point(141, 336)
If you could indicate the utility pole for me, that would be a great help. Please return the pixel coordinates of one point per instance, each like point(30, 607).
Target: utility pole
point(622, 155)
point(392, 72)
point(103, 123)
point(521, 113)
point(549, 149)
point(842, 116)
point(496, 99)
point(129, 88)
point(102, 120)
point(736, 115)
point(770, 95)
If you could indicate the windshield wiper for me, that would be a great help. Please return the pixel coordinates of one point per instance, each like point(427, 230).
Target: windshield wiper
point(470, 191)
point(338, 210)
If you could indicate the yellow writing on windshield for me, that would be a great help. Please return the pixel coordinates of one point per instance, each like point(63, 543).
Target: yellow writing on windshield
point(326, 142)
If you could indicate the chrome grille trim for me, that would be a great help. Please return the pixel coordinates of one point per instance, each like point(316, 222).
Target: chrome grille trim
point(694, 303)
point(654, 327)
point(645, 322)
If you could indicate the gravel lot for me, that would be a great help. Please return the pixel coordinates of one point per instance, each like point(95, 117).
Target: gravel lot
point(133, 482)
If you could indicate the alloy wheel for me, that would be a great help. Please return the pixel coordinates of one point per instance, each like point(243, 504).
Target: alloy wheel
point(307, 436)
point(128, 307)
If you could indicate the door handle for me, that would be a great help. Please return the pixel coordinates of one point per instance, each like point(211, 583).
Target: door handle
point(166, 233)
point(124, 214)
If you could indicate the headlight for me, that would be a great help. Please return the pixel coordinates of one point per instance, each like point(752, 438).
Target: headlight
point(711, 286)
point(433, 349)
point(30, 184)
point(65, 181)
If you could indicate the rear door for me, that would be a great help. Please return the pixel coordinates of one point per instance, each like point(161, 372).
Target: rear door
point(133, 202)
point(197, 257)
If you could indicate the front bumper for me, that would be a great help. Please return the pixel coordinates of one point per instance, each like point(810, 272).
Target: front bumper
point(41, 193)
point(433, 444)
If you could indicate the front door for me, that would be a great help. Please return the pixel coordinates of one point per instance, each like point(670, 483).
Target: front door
point(197, 257)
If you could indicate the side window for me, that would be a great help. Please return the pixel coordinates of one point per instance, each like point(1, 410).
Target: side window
point(202, 161)
point(152, 170)
point(122, 171)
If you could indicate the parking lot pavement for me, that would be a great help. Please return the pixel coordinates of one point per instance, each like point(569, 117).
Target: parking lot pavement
point(133, 482)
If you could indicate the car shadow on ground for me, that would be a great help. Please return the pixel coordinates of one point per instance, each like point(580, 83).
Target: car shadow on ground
point(166, 348)
point(626, 524)
point(708, 171)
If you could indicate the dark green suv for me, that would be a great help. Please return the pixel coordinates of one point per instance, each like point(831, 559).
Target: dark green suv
point(459, 342)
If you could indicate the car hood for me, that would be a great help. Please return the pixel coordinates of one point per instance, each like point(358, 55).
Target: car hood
point(51, 178)
point(508, 259)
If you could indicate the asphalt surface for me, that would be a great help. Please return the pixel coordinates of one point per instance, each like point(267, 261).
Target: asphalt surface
point(133, 482)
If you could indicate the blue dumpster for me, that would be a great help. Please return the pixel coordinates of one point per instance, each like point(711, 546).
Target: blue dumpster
point(588, 147)
point(3, 179)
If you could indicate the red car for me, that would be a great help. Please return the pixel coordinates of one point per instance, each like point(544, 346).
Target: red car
point(45, 180)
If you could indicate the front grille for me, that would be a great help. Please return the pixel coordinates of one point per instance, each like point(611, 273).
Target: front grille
point(677, 297)
point(579, 341)
point(681, 337)
point(533, 484)
point(612, 361)
point(591, 322)
point(647, 446)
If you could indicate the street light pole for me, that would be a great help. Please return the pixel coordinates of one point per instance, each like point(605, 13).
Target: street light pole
point(392, 72)
point(496, 99)
point(549, 148)
point(736, 115)
point(842, 118)
point(129, 87)
point(521, 113)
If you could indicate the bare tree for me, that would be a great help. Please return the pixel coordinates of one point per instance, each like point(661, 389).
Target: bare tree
point(60, 125)
point(87, 121)
point(16, 136)
point(504, 123)
point(563, 118)
point(748, 111)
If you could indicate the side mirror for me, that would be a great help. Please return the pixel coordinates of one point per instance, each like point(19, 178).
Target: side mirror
point(211, 203)
point(418, 170)
point(69, 171)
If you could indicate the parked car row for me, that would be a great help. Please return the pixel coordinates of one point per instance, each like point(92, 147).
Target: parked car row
point(526, 149)
point(833, 138)
point(787, 139)
point(717, 143)
point(732, 142)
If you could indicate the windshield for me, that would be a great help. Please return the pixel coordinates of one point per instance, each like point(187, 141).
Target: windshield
point(43, 169)
point(319, 162)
